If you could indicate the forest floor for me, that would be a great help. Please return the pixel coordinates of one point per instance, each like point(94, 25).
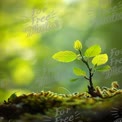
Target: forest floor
point(52, 107)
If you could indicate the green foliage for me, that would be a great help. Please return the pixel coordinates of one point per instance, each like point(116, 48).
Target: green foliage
point(65, 56)
point(100, 59)
point(93, 52)
point(74, 79)
point(77, 45)
point(13, 96)
point(79, 72)
point(104, 68)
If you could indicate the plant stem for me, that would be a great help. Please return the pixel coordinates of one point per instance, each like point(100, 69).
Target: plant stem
point(90, 77)
point(91, 89)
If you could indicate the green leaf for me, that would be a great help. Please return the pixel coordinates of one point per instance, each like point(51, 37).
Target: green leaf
point(93, 51)
point(104, 68)
point(79, 72)
point(100, 59)
point(77, 45)
point(65, 56)
point(74, 79)
point(12, 97)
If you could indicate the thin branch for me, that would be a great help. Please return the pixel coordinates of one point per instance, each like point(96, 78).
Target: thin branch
point(86, 78)
point(84, 60)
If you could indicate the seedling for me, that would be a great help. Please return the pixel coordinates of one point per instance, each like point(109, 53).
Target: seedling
point(92, 58)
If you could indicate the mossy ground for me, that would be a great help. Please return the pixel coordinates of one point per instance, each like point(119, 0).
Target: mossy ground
point(51, 107)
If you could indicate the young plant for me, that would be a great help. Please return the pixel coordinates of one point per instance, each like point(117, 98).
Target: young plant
point(92, 58)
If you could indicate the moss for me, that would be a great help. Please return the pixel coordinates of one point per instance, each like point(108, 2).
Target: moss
point(38, 106)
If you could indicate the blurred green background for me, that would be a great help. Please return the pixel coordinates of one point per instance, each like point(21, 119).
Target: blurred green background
point(32, 31)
